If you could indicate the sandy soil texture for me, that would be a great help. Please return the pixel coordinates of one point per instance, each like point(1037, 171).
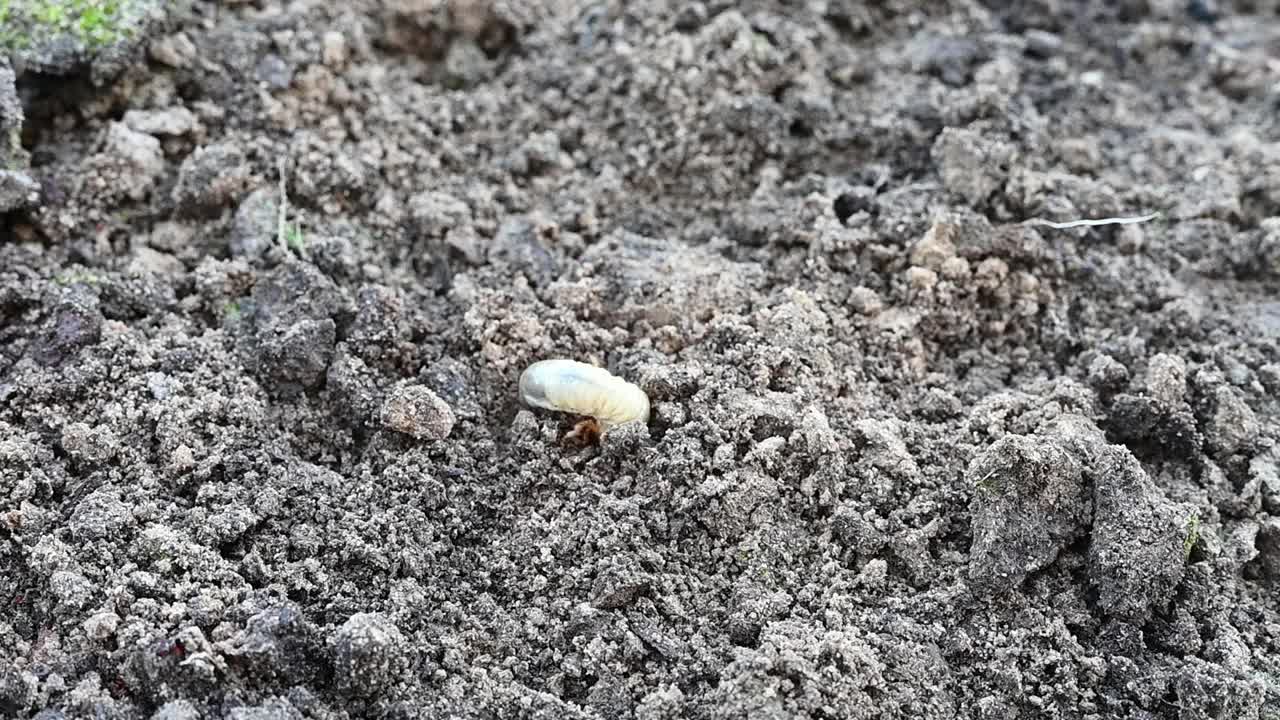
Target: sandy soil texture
point(270, 272)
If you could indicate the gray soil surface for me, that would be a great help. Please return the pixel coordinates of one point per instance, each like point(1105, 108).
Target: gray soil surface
point(910, 455)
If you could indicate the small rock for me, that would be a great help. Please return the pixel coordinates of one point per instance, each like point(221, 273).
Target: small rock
point(17, 190)
point(353, 387)
point(101, 514)
point(176, 51)
point(72, 589)
point(935, 248)
point(1167, 380)
point(865, 301)
point(299, 353)
point(972, 165)
point(1143, 419)
point(177, 710)
point(939, 404)
point(334, 49)
point(1107, 374)
point(227, 526)
point(211, 177)
point(1218, 194)
point(857, 529)
point(205, 610)
point(101, 626)
point(274, 72)
point(433, 213)
point(17, 690)
point(947, 57)
point(170, 121)
point(415, 410)
point(537, 154)
point(76, 323)
point(467, 242)
point(294, 332)
point(1266, 565)
point(751, 607)
point(379, 324)
point(1042, 44)
point(182, 458)
point(256, 224)
point(466, 65)
point(1232, 426)
point(1267, 251)
point(11, 114)
point(276, 708)
point(618, 583)
point(85, 443)
point(130, 160)
point(519, 245)
point(153, 262)
point(334, 255)
point(277, 644)
point(368, 653)
point(172, 237)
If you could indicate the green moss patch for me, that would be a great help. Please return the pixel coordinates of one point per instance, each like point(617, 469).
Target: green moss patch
point(92, 22)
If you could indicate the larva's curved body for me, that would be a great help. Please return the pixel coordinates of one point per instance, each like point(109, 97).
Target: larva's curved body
point(575, 387)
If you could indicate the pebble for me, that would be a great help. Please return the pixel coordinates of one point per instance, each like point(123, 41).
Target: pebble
point(169, 121)
point(417, 411)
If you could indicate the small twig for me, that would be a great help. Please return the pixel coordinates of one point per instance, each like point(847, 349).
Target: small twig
point(1091, 223)
point(913, 187)
point(282, 231)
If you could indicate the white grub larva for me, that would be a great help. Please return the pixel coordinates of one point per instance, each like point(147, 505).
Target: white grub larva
point(576, 387)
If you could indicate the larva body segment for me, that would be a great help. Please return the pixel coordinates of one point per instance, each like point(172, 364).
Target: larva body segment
point(576, 387)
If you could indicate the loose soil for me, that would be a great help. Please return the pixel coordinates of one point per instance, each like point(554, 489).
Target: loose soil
point(269, 273)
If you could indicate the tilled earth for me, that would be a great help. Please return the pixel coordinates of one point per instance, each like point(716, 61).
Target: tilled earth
point(269, 274)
